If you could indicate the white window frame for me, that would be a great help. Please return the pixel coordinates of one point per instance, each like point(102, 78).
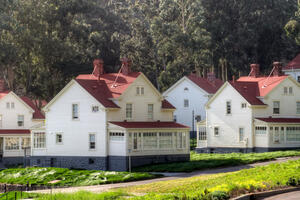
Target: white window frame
point(23, 144)
point(150, 113)
point(7, 105)
point(243, 105)
point(15, 147)
point(90, 142)
point(116, 136)
point(285, 90)
point(260, 130)
point(186, 103)
point(95, 108)
point(137, 92)
point(21, 123)
point(291, 92)
point(140, 90)
point(56, 138)
point(241, 139)
point(276, 108)
point(73, 113)
point(128, 111)
point(228, 107)
point(298, 107)
point(12, 105)
point(214, 130)
point(39, 142)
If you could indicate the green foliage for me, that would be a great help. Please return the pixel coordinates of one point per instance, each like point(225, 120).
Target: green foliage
point(208, 161)
point(24, 195)
point(66, 177)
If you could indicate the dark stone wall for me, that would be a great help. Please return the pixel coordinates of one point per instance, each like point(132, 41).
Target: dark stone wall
point(241, 150)
point(12, 161)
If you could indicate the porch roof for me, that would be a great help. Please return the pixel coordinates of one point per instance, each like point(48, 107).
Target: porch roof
point(156, 124)
point(280, 120)
point(14, 131)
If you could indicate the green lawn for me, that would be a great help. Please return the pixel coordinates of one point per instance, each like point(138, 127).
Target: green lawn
point(207, 161)
point(67, 177)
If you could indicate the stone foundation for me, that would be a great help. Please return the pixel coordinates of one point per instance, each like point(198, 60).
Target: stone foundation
point(242, 150)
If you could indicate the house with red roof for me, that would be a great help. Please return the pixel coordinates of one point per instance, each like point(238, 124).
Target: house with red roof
point(189, 95)
point(254, 113)
point(17, 115)
point(293, 68)
point(110, 121)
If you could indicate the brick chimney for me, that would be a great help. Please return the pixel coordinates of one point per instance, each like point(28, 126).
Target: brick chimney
point(98, 67)
point(277, 69)
point(126, 66)
point(211, 77)
point(254, 70)
point(2, 86)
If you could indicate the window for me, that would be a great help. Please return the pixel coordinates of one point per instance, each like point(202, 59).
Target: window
point(165, 141)
point(128, 111)
point(95, 109)
point(186, 89)
point(92, 141)
point(20, 120)
point(75, 111)
point(298, 107)
point(285, 90)
point(186, 103)
point(298, 79)
point(7, 105)
point(276, 135)
point(11, 143)
point(216, 131)
point(175, 118)
point(116, 136)
point(39, 140)
point(25, 142)
point(290, 90)
point(12, 105)
point(202, 133)
point(150, 140)
point(150, 111)
point(241, 134)
point(228, 107)
point(276, 107)
point(293, 134)
point(142, 90)
point(137, 140)
point(244, 105)
point(137, 90)
point(59, 138)
point(1, 119)
point(260, 130)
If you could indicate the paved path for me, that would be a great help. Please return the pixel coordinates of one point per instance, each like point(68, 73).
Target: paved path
point(169, 176)
point(286, 196)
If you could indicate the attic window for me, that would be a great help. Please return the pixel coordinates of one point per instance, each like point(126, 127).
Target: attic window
point(186, 89)
point(244, 105)
point(95, 109)
point(139, 90)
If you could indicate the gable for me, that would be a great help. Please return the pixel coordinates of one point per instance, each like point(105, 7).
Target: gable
point(287, 82)
point(15, 98)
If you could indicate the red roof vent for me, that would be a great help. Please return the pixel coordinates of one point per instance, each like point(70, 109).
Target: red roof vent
point(98, 68)
point(126, 66)
point(254, 70)
point(277, 69)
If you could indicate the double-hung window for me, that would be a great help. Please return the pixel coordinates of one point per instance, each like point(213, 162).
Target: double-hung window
point(228, 107)
point(20, 120)
point(285, 90)
point(186, 103)
point(128, 111)
point(39, 140)
point(92, 141)
point(216, 131)
point(59, 138)
point(75, 111)
point(290, 90)
point(241, 134)
point(150, 111)
point(276, 107)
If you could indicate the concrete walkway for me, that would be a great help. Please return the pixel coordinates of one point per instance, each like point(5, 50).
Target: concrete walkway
point(168, 176)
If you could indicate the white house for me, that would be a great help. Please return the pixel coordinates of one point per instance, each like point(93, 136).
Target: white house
point(109, 121)
point(17, 116)
point(254, 113)
point(293, 68)
point(189, 95)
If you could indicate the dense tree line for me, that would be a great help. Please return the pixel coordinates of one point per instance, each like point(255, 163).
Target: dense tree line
point(45, 43)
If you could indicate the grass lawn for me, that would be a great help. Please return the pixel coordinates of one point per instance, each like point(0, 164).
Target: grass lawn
point(67, 177)
point(207, 161)
point(232, 184)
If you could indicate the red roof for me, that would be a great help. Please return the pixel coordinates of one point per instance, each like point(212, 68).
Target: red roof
point(37, 113)
point(156, 124)
point(14, 131)
point(209, 86)
point(264, 84)
point(167, 105)
point(280, 120)
point(293, 64)
point(3, 94)
point(249, 90)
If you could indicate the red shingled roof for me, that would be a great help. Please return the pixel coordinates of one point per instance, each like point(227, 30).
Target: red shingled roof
point(156, 124)
point(293, 64)
point(249, 90)
point(167, 105)
point(280, 120)
point(14, 131)
point(209, 86)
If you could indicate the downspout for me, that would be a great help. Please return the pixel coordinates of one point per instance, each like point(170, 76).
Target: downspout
point(106, 139)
